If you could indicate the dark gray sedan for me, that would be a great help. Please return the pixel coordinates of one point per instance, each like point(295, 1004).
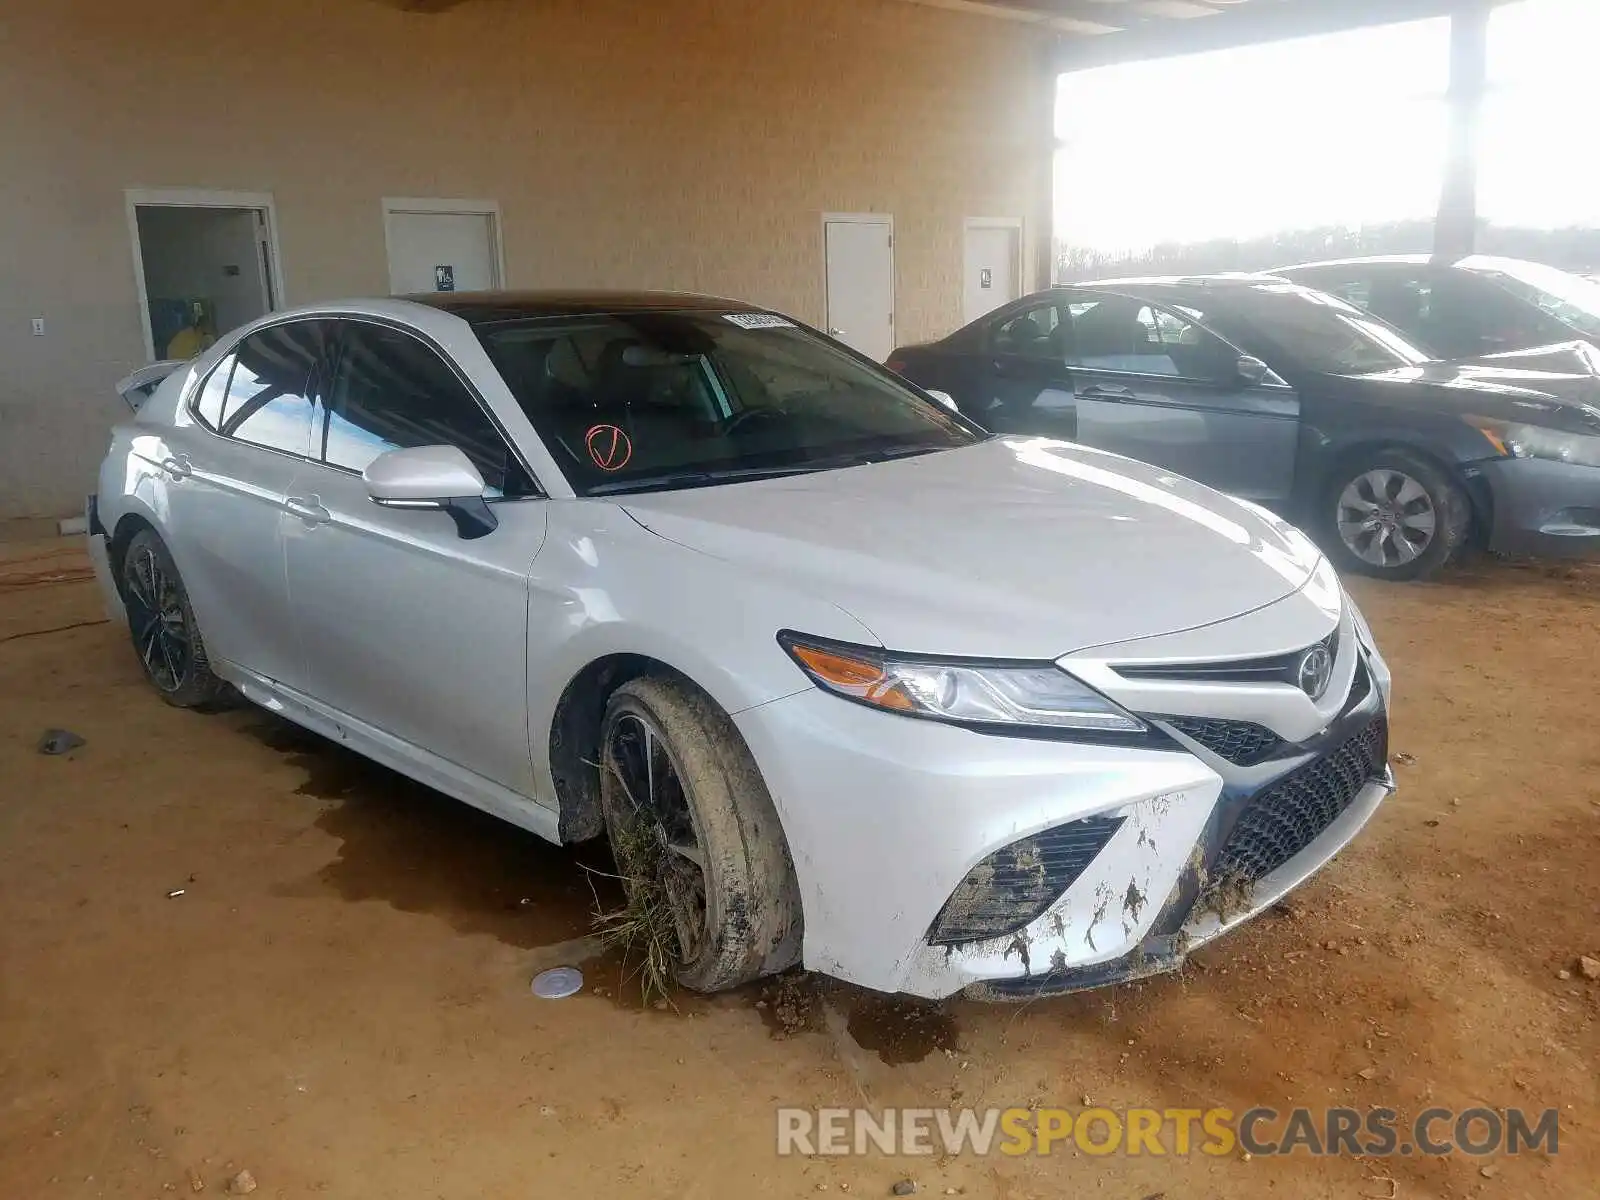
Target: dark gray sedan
point(1300, 401)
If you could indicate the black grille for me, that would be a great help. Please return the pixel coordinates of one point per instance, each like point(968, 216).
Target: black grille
point(1279, 668)
point(1242, 743)
point(1016, 883)
point(1283, 820)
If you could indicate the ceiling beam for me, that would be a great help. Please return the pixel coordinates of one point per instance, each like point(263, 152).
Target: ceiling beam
point(1244, 24)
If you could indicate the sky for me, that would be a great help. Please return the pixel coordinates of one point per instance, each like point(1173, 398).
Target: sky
point(1345, 129)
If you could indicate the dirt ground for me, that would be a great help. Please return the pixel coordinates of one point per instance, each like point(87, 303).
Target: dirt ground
point(338, 999)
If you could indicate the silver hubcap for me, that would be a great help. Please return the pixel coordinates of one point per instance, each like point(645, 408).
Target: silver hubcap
point(1386, 518)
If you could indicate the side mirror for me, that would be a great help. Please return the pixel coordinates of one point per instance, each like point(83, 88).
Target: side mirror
point(439, 478)
point(946, 399)
point(1252, 370)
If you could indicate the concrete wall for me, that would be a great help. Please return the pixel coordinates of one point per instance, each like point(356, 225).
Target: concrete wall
point(689, 144)
point(188, 253)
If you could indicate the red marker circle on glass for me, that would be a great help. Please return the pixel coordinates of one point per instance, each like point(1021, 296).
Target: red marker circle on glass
point(609, 448)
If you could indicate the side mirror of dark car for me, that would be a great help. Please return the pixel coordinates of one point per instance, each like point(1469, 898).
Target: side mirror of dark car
point(1252, 370)
point(432, 478)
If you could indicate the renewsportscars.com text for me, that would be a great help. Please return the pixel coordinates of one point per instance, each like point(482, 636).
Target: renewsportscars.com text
point(1373, 1132)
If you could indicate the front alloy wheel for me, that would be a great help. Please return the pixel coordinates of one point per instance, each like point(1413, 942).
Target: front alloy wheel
point(696, 837)
point(656, 828)
point(1394, 515)
point(1386, 518)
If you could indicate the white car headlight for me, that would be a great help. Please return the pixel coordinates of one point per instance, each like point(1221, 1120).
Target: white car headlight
point(1363, 630)
point(1007, 698)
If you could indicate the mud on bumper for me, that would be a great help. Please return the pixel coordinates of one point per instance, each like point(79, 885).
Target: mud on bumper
point(1259, 845)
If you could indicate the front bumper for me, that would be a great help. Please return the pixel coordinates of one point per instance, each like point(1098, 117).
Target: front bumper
point(887, 816)
point(1544, 508)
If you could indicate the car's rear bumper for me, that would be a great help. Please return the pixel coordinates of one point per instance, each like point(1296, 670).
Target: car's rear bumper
point(99, 542)
point(1544, 508)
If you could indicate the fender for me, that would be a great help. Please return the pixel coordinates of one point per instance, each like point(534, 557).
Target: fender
point(714, 604)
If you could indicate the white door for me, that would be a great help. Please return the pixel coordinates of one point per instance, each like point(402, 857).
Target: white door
point(442, 251)
point(991, 277)
point(860, 261)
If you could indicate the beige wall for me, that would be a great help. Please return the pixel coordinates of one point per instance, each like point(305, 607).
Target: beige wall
point(688, 144)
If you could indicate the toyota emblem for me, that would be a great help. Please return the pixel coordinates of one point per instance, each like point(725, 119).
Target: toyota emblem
point(1315, 671)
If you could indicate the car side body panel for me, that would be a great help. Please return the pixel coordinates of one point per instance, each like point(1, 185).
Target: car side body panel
point(604, 585)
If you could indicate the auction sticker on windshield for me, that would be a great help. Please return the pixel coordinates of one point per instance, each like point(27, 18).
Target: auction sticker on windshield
point(758, 320)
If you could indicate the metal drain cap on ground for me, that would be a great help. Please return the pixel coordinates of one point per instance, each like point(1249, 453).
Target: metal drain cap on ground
point(558, 983)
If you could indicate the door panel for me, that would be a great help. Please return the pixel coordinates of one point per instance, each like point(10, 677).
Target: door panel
point(406, 625)
point(229, 475)
point(860, 284)
point(225, 505)
point(1154, 385)
point(1026, 386)
point(1240, 441)
point(413, 629)
point(992, 255)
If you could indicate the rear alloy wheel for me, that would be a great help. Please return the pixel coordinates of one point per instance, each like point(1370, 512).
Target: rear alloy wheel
point(162, 623)
point(1396, 516)
point(695, 835)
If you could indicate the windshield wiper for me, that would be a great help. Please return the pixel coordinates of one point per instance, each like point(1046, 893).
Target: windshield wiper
point(688, 479)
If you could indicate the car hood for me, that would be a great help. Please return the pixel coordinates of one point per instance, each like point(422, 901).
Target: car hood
point(1566, 358)
point(1013, 548)
point(1563, 400)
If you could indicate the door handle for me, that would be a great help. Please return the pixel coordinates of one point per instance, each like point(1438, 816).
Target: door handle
point(178, 466)
point(1098, 391)
point(309, 509)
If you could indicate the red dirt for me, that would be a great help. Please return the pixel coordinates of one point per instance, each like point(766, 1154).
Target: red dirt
point(339, 1000)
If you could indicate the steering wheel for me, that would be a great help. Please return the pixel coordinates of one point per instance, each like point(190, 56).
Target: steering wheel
point(753, 416)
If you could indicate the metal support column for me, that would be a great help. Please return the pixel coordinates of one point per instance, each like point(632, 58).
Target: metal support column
point(1455, 233)
point(1042, 223)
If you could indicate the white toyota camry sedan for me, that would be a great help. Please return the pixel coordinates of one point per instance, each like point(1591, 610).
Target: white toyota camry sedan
point(917, 707)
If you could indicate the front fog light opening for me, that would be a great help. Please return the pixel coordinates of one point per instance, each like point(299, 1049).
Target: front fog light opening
point(1017, 884)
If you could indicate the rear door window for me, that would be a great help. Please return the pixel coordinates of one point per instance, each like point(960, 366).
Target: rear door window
point(262, 393)
point(1035, 332)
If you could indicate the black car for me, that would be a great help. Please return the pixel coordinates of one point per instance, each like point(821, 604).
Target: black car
point(1464, 307)
point(1295, 399)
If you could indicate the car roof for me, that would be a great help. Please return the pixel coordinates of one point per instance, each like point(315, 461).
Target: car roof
point(1173, 288)
point(481, 308)
point(1214, 280)
point(1373, 260)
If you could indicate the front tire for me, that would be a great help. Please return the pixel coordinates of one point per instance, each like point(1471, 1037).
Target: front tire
point(1393, 515)
point(692, 823)
point(166, 636)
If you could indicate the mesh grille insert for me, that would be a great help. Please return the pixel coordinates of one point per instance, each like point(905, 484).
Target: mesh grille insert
point(1283, 820)
point(1016, 883)
point(1242, 743)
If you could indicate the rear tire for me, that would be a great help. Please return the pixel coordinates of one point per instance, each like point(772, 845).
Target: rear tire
point(677, 780)
point(1393, 515)
point(166, 636)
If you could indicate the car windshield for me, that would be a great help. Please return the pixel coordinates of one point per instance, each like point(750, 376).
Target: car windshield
point(1311, 330)
point(1566, 297)
point(655, 400)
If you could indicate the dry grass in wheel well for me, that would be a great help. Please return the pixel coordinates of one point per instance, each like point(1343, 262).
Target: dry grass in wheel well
point(641, 930)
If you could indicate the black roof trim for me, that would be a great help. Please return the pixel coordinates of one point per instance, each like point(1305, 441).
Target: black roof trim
point(484, 308)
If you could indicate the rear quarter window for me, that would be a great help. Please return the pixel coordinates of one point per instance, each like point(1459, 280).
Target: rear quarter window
point(207, 403)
